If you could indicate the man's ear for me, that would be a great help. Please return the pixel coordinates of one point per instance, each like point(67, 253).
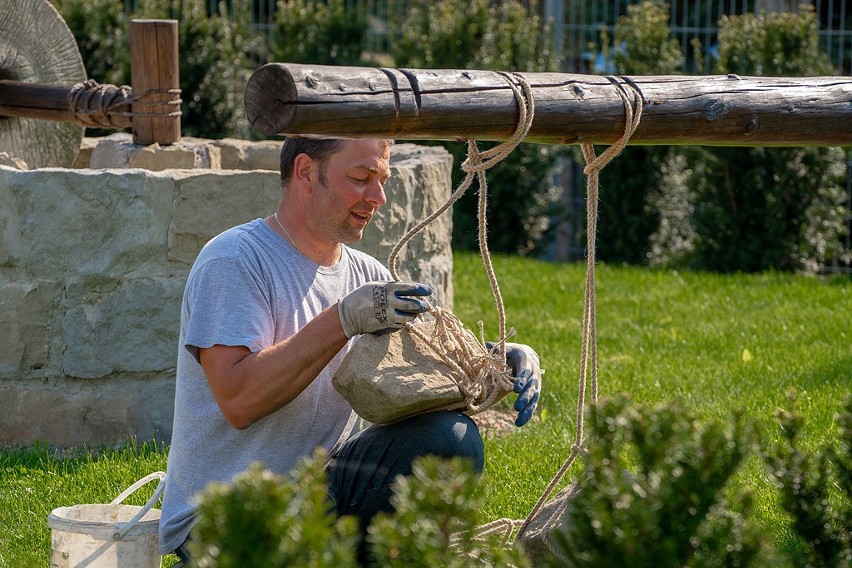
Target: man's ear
point(305, 171)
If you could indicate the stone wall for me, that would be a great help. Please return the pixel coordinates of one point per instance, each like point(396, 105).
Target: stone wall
point(93, 264)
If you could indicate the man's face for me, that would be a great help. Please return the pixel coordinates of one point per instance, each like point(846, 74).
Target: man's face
point(349, 190)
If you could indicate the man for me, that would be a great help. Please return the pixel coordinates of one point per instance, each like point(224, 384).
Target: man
point(269, 311)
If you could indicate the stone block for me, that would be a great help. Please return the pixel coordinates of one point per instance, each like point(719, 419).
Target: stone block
point(128, 326)
point(84, 156)
point(12, 162)
point(209, 202)
point(70, 412)
point(81, 222)
point(28, 324)
point(119, 151)
point(246, 155)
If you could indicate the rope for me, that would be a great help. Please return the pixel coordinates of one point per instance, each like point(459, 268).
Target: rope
point(476, 164)
point(93, 104)
point(588, 356)
point(476, 371)
point(481, 378)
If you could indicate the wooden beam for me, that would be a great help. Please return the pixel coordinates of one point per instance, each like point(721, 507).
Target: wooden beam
point(293, 99)
point(153, 74)
point(49, 102)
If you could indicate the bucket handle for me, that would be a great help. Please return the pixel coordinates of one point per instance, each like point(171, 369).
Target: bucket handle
point(123, 528)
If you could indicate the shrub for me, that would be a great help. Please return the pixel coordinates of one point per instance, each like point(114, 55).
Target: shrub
point(816, 489)
point(313, 31)
point(630, 185)
point(437, 510)
point(262, 519)
point(761, 208)
point(502, 36)
point(653, 492)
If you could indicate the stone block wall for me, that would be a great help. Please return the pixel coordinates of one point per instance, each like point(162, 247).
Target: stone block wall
point(93, 264)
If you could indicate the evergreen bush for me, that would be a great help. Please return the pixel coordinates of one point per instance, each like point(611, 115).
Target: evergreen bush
point(263, 519)
point(437, 510)
point(816, 489)
point(654, 492)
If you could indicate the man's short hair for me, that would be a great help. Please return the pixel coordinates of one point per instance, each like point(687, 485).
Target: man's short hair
point(319, 149)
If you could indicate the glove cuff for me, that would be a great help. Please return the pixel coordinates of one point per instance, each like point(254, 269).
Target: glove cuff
point(348, 330)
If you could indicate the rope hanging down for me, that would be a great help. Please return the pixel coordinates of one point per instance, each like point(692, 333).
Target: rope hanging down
point(480, 374)
point(588, 356)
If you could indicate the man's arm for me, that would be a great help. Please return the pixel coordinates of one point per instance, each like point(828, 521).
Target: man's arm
point(249, 386)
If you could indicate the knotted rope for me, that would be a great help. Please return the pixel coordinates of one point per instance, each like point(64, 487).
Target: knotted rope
point(480, 374)
point(94, 105)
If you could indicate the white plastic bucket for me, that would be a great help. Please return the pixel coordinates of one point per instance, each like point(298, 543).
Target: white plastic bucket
point(108, 536)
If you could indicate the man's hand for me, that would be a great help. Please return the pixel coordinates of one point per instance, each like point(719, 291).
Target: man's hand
point(523, 361)
point(382, 306)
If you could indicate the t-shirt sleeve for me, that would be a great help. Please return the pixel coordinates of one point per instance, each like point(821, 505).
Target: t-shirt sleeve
point(226, 304)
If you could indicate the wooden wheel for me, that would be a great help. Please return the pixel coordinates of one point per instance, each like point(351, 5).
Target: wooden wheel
point(36, 46)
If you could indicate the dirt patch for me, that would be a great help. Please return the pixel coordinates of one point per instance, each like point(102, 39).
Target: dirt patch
point(496, 421)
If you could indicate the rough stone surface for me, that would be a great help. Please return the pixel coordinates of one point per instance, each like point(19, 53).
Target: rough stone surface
point(93, 264)
point(84, 156)
point(119, 151)
point(12, 162)
point(207, 203)
point(245, 155)
point(538, 539)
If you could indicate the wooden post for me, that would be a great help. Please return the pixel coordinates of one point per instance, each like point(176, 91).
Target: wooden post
point(449, 104)
point(154, 71)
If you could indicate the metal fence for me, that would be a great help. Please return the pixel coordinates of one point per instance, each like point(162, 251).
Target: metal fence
point(578, 24)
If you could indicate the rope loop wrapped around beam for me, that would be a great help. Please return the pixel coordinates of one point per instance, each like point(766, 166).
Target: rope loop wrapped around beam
point(94, 105)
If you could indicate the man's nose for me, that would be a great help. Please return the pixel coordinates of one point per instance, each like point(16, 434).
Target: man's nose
point(375, 194)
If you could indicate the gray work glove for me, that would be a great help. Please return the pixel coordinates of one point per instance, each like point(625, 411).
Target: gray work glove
point(381, 306)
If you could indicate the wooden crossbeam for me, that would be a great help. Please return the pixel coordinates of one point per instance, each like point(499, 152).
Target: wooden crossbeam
point(448, 104)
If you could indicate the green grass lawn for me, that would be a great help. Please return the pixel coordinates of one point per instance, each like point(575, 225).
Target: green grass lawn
point(712, 343)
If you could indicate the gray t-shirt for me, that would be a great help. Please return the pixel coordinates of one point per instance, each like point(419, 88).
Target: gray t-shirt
point(250, 287)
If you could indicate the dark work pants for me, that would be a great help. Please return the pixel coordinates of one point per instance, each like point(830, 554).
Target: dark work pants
point(361, 473)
